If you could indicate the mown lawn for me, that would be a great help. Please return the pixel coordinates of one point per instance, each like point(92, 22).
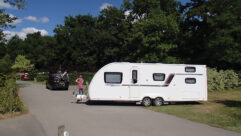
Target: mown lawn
point(222, 110)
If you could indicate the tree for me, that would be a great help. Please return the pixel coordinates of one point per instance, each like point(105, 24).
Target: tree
point(6, 19)
point(76, 41)
point(15, 47)
point(22, 64)
point(5, 64)
point(153, 38)
point(210, 33)
point(38, 50)
point(2, 50)
point(113, 32)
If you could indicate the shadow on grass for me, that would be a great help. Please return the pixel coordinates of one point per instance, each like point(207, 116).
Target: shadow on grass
point(185, 103)
point(230, 103)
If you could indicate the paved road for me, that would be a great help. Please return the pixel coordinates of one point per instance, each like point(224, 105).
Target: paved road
point(50, 109)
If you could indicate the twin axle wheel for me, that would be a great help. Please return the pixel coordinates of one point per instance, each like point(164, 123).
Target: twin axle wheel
point(156, 102)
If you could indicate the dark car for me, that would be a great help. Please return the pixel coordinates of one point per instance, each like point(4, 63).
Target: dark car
point(58, 81)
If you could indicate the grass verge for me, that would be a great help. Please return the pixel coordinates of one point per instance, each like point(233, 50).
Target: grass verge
point(14, 114)
point(222, 110)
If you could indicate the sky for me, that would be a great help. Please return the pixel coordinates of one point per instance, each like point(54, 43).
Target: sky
point(45, 15)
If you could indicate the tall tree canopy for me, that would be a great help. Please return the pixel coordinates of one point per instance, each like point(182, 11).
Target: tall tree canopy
point(198, 32)
point(212, 33)
point(76, 40)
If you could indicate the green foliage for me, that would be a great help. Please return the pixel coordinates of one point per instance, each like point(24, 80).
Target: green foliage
point(15, 47)
point(153, 38)
point(2, 79)
point(5, 64)
point(2, 50)
point(87, 76)
point(7, 19)
point(20, 4)
point(76, 41)
point(231, 79)
point(210, 33)
point(33, 74)
point(9, 83)
point(42, 77)
point(239, 77)
point(22, 64)
point(221, 80)
point(199, 32)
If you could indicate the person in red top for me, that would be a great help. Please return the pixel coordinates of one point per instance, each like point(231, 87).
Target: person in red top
point(80, 82)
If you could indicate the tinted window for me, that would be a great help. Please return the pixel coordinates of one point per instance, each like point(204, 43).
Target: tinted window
point(190, 69)
point(158, 77)
point(190, 80)
point(134, 76)
point(113, 77)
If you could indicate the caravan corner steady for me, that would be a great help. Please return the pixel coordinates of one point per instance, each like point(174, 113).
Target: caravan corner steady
point(149, 83)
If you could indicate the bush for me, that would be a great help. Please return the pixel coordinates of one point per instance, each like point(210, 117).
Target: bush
point(33, 74)
point(231, 79)
point(221, 80)
point(239, 78)
point(87, 76)
point(5, 97)
point(42, 77)
point(2, 80)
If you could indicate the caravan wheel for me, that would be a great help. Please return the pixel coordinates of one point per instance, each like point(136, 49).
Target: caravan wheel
point(158, 101)
point(146, 101)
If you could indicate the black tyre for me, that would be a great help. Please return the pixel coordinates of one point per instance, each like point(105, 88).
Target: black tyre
point(146, 101)
point(47, 86)
point(158, 101)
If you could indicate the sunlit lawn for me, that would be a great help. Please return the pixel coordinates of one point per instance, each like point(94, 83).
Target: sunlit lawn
point(223, 110)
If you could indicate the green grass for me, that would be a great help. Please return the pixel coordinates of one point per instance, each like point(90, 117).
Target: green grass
point(222, 110)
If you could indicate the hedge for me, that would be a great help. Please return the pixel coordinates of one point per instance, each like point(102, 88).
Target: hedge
point(42, 77)
point(221, 80)
point(18, 105)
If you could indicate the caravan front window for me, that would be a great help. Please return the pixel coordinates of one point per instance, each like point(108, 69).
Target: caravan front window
point(158, 77)
point(113, 77)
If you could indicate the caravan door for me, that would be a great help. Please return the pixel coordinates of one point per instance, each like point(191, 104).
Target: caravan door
point(134, 87)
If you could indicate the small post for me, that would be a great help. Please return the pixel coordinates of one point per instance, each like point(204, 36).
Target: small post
point(61, 130)
point(11, 101)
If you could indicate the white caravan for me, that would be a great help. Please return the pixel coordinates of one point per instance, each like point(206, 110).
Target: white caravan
point(149, 83)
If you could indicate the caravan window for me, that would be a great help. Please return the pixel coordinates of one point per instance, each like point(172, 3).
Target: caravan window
point(113, 77)
point(158, 77)
point(134, 76)
point(190, 80)
point(190, 69)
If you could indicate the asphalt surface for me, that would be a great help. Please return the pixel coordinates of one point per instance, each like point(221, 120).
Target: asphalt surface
point(50, 109)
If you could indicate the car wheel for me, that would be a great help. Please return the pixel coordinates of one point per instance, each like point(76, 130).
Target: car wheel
point(47, 86)
point(146, 101)
point(158, 101)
